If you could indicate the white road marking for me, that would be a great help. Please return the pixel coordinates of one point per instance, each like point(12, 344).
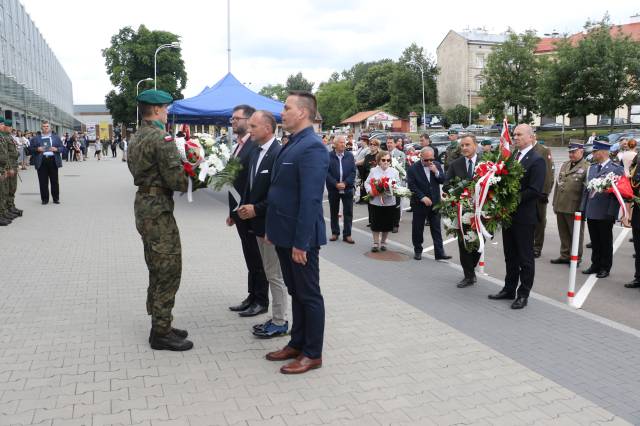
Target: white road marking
point(355, 220)
point(584, 291)
point(444, 243)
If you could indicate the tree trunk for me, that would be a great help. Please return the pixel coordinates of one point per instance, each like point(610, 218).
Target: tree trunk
point(515, 115)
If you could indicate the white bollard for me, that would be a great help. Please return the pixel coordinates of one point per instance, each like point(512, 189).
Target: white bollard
point(573, 266)
point(481, 264)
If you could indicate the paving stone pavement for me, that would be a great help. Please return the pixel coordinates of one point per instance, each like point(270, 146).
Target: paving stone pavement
point(73, 334)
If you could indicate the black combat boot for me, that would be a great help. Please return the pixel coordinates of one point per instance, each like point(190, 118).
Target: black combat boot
point(170, 342)
point(180, 333)
point(4, 222)
point(16, 210)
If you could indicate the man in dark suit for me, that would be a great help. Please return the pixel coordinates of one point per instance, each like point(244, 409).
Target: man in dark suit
point(295, 225)
point(47, 148)
point(463, 168)
point(257, 302)
point(340, 185)
point(518, 238)
point(262, 126)
point(601, 210)
point(424, 179)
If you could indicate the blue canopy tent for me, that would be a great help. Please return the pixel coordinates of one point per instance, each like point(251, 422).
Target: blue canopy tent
point(214, 105)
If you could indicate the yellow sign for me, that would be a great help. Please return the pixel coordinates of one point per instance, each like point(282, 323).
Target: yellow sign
point(104, 130)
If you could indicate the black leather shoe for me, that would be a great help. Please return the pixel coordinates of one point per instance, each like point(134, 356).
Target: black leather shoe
point(502, 295)
point(602, 274)
point(589, 245)
point(182, 334)
point(4, 222)
point(633, 284)
point(445, 257)
point(56, 201)
point(466, 282)
point(394, 230)
point(536, 254)
point(590, 270)
point(170, 342)
point(560, 261)
point(45, 202)
point(417, 256)
point(519, 303)
point(9, 215)
point(242, 306)
point(253, 310)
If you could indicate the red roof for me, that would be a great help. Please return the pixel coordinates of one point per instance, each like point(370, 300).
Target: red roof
point(547, 44)
point(361, 116)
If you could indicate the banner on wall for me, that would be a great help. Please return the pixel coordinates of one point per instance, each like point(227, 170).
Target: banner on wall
point(104, 130)
point(91, 132)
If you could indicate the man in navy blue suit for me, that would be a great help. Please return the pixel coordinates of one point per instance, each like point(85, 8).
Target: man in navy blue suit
point(340, 185)
point(46, 147)
point(424, 179)
point(295, 225)
point(262, 125)
point(517, 239)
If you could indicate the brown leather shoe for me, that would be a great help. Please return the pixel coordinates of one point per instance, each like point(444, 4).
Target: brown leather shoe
point(348, 240)
point(301, 365)
point(334, 237)
point(283, 354)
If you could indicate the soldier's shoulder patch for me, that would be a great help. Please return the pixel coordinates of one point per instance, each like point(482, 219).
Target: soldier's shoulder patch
point(168, 138)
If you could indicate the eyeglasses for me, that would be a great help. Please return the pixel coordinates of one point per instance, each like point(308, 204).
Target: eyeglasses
point(427, 160)
point(385, 160)
point(232, 119)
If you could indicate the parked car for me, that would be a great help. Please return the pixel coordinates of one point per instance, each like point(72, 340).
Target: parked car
point(457, 126)
point(475, 128)
point(551, 126)
point(607, 121)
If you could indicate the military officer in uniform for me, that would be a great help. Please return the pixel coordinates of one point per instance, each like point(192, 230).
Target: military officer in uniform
point(486, 146)
point(157, 171)
point(566, 200)
point(601, 210)
point(453, 149)
point(8, 171)
point(538, 239)
point(12, 181)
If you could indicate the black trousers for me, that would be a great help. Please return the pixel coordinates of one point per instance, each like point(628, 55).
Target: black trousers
point(257, 284)
point(335, 198)
point(421, 213)
point(468, 260)
point(518, 255)
point(48, 172)
point(601, 234)
point(307, 303)
point(397, 213)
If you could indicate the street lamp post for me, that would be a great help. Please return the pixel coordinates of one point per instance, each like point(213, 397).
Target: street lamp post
point(174, 45)
point(424, 109)
point(137, 90)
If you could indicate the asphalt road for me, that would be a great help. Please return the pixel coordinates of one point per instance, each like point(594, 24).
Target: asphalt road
point(608, 298)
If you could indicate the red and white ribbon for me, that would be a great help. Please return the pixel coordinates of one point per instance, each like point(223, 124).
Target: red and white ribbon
point(616, 192)
point(479, 198)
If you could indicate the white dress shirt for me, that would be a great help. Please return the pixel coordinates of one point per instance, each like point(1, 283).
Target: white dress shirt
point(264, 148)
point(524, 152)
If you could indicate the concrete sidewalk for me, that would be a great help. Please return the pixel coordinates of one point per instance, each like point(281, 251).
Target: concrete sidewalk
point(74, 332)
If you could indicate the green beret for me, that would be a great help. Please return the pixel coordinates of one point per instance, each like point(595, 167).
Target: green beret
point(154, 97)
point(486, 142)
point(452, 132)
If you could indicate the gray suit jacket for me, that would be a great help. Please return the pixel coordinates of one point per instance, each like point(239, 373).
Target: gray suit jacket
point(601, 206)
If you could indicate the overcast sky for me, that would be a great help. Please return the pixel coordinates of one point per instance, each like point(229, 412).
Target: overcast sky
point(273, 39)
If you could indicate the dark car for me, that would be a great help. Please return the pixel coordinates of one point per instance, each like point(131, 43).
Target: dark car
point(551, 126)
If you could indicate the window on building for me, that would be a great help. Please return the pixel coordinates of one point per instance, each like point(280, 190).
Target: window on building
point(480, 61)
point(479, 82)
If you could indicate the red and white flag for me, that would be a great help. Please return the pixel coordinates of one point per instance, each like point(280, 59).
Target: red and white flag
point(505, 140)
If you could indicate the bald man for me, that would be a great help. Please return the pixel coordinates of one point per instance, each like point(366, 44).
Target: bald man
point(518, 238)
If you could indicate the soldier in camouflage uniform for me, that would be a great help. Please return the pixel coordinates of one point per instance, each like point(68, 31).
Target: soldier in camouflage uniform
point(12, 182)
point(453, 149)
point(157, 170)
point(8, 171)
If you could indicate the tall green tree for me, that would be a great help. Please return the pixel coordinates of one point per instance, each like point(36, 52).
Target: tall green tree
point(298, 82)
point(596, 75)
point(406, 82)
point(336, 101)
point(373, 91)
point(129, 59)
point(511, 76)
point(277, 91)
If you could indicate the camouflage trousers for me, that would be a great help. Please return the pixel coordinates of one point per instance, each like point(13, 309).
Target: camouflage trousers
point(4, 199)
point(163, 255)
point(12, 187)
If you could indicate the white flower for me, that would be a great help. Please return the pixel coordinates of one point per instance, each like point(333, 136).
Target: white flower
point(470, 236)
point(449, 224)
point(466, 218)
